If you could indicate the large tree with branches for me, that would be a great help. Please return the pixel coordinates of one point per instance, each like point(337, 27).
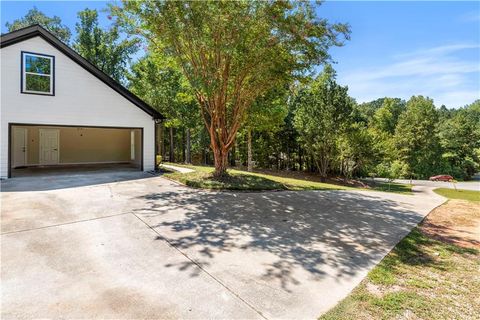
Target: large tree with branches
point(232, 52)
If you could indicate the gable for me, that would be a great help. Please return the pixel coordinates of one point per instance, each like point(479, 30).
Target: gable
point(37, 40)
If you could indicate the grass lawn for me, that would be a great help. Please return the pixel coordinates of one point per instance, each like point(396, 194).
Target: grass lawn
point(393, 187)
point(469, 195)
point(242, 180)
point(423, 278)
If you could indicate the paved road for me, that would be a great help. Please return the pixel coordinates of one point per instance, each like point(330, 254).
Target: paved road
point(469, 185)
point(135, 246)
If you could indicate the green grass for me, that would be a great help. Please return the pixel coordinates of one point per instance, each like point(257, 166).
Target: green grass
point(423, 276)
point(393, 187)
point(469, 195)
point(242, 180)
point(204, 180)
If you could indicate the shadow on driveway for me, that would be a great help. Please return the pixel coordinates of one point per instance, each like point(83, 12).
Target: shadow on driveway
point(283, 240)
point(291, 255)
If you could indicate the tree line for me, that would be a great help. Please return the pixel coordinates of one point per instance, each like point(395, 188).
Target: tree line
point(317, 127)
point(105, 48)
point(235, 81)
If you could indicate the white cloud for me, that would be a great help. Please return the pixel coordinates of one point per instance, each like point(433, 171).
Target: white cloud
point(473, 16)
point(437, 72)
point(441, 50)
point(458, 98)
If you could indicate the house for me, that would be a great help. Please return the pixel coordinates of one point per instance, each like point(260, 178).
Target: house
point(58, 110)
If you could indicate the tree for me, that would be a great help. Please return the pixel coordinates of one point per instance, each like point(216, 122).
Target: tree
point(381, 125)
point(186, 110)
point(266, 114)
point(35, 16)
point(156, 80)
point(356, 150)
point(415, 138)
point(367, 111)
point(323, 114)
point(233, 52)
point(460, 139)
point(288, 143)
point(392, 171)
point(386, 117)
point(149, 80)
point(103, 48)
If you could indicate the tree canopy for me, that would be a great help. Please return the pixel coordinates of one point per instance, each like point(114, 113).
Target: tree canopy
point(35, 16)
point(232, 52)
point(321, 117)
point(240, 78)
point(415, 139)
point(102, 47)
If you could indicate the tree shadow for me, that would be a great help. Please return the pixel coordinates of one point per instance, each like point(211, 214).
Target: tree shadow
point(321, 233)
point(465, 239)
point(231, 182)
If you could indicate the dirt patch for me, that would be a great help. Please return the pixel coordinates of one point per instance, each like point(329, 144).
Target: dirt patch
point(423, 278)
point(380, 290)
point(408, 315)
point(457, 222)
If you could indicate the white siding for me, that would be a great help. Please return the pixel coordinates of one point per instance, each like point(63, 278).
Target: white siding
point(80, 99)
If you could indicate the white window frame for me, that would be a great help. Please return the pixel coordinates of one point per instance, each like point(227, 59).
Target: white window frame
point(51, 75)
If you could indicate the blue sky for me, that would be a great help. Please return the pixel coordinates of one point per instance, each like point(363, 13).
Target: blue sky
point(398, 49)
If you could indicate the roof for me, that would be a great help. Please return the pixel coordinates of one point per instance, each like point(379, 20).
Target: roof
point(36, 30)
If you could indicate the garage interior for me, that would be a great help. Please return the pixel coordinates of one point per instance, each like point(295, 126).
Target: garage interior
point(37, 150)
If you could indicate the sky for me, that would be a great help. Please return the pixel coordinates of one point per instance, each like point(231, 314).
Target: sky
point(397, 49)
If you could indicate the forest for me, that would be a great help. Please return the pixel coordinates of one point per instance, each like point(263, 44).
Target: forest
point(250, 100)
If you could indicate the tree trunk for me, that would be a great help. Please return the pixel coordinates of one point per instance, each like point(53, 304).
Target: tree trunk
point(222, 133)
point(220, 154)
point(184, 156)
point(321, 171)
point(300, 163)
point(288, 157)
point(221, 162)
point(322, 165)
point(159, 138)
point(233, 155)
point(172, 149)
point(204, 157)
point(162, 141)
point(189, 147)
point(249, 151)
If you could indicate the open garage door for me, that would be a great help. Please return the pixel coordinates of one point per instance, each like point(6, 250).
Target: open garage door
point(41, 150)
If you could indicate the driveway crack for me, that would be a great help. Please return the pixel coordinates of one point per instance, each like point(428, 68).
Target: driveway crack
point(63, 224)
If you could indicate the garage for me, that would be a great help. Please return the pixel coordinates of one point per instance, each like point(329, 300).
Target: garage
point(61, 114)
point(45, 150)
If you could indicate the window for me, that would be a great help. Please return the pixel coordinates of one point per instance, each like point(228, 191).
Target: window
point(37, 73)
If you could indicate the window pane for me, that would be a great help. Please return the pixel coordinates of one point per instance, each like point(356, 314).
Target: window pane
point(37, 83)
point(37, 64)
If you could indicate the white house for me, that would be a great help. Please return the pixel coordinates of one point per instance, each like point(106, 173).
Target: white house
point(58, 110)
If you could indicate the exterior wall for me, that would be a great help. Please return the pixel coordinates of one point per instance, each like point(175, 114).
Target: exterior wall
point(80, 99)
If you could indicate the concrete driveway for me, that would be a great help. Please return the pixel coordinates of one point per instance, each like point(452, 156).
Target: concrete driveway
point(129, 245)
